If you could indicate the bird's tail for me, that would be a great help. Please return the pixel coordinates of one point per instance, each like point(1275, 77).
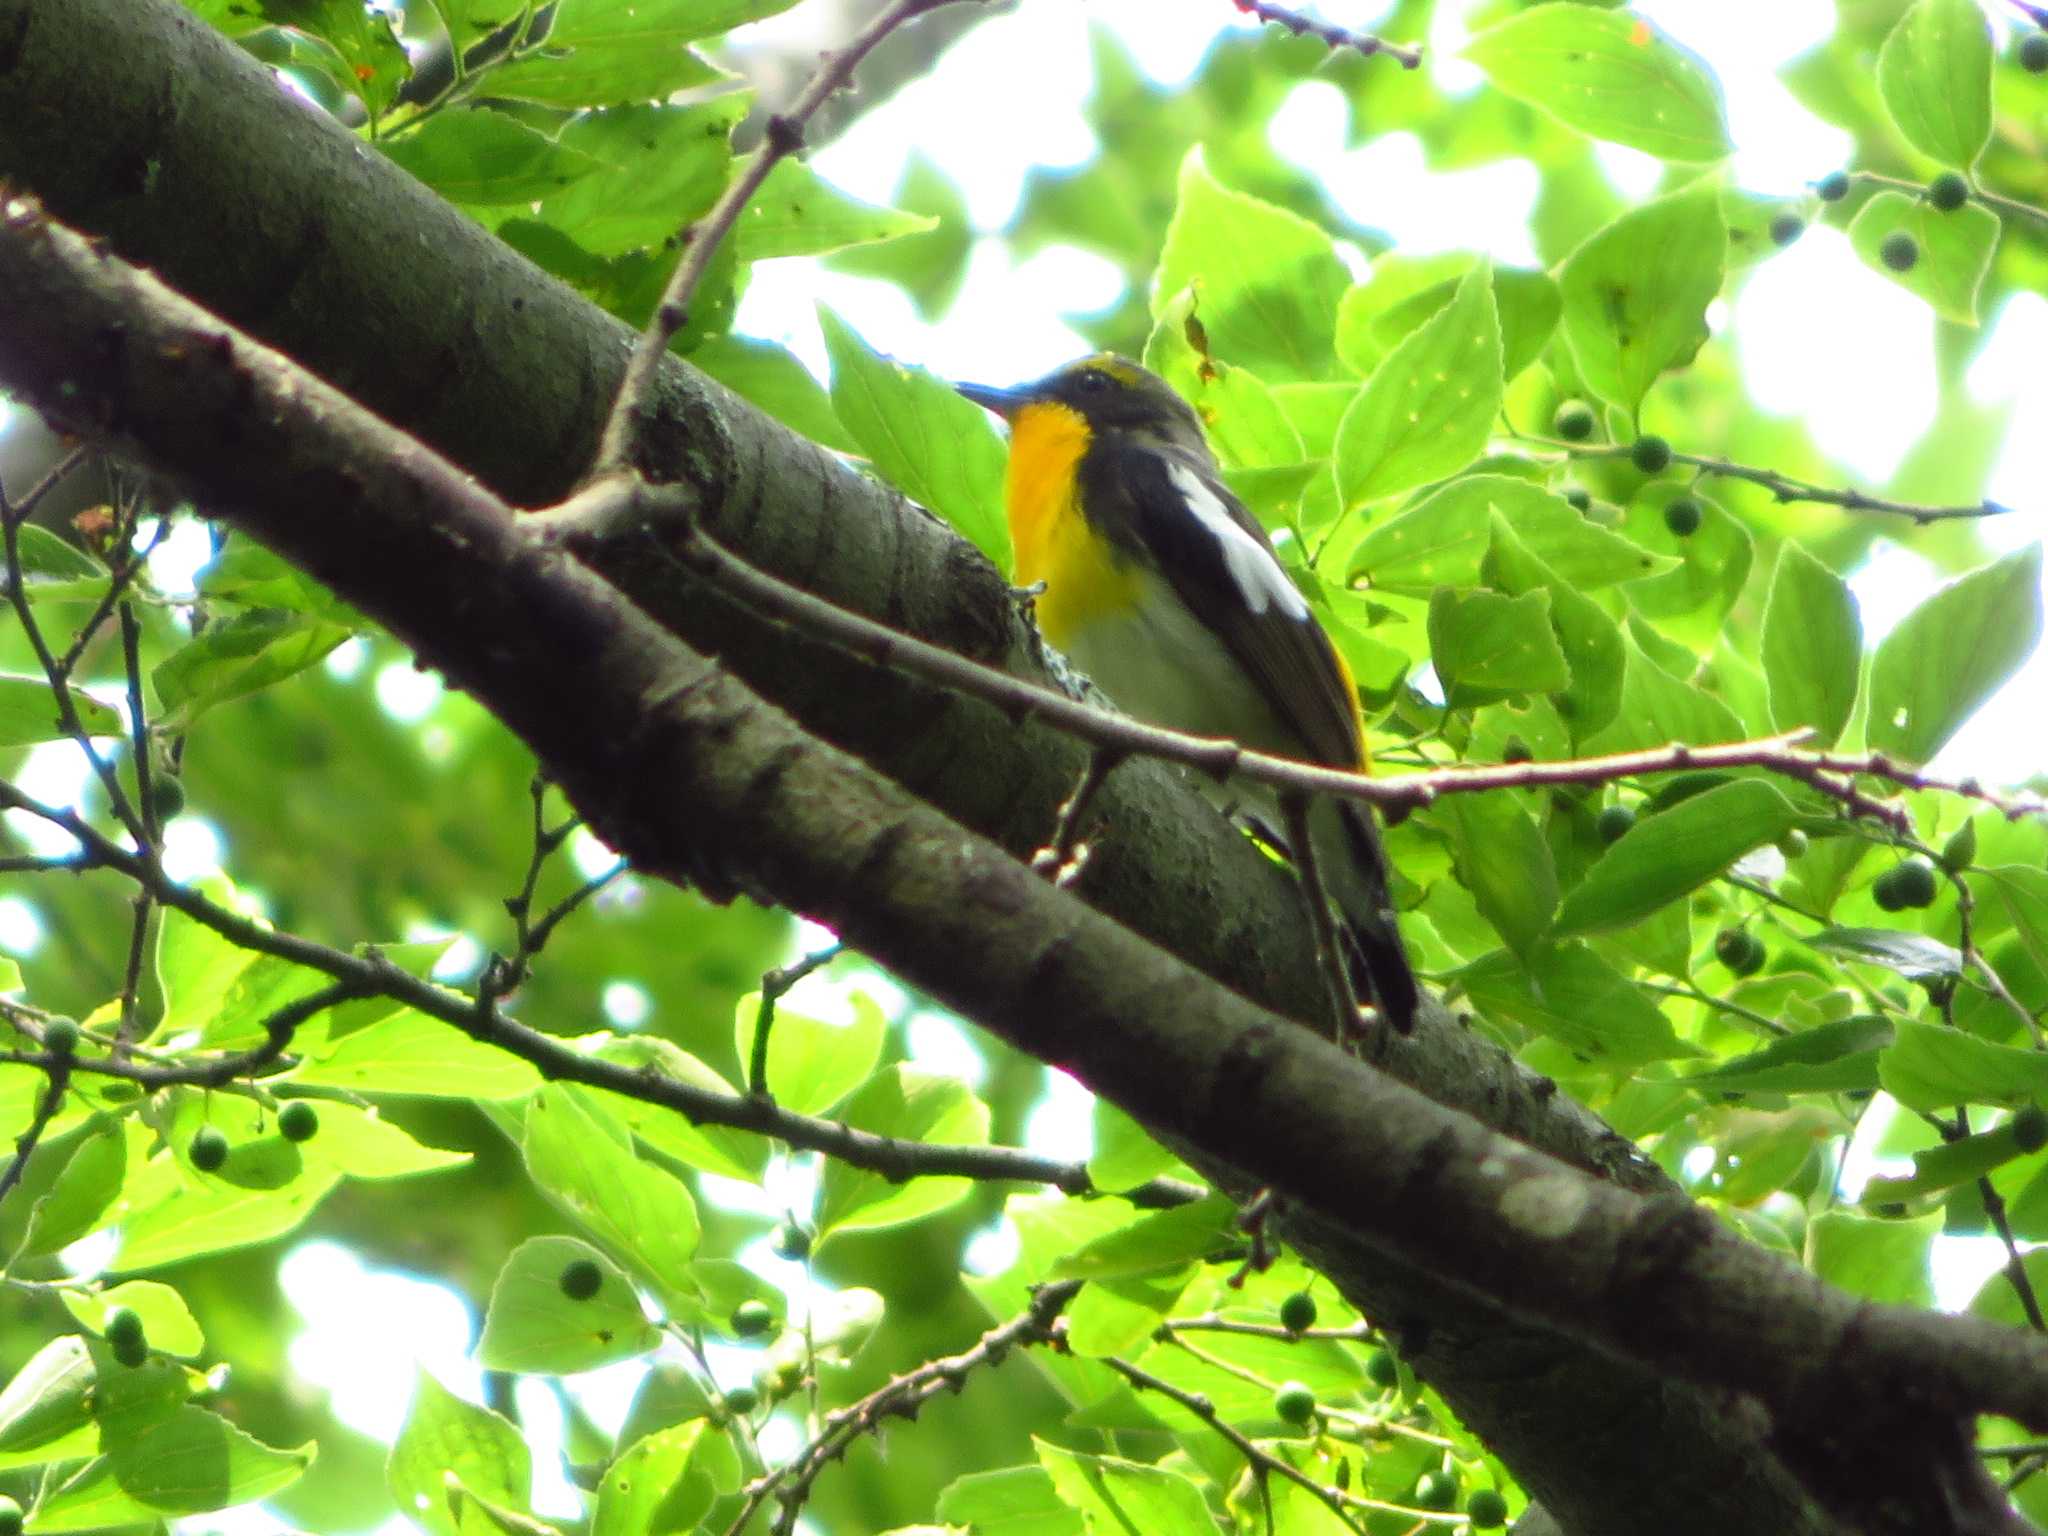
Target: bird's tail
point(1354, 872)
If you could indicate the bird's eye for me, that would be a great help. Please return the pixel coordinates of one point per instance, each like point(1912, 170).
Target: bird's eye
point(1092, 382)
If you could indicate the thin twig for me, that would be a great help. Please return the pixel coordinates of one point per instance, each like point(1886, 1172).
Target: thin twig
point(1785, 488)
point(1832, 774)
point(783, 137)
point(1330, 36)
point(1988, 199)
point(58, 1070)
point(1215, 1322)
point(1994, 1210)
point(130, 1025)
point(901, 1397)
point(1707, 999)
point(1065, 855)
point(775, 986)
point(892, 1157)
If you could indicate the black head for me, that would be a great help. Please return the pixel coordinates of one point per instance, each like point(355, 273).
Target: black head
point(1112, 393)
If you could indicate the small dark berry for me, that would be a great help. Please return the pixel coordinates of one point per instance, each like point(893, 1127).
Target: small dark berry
point(1650, 454)
point(1613, 822)
point(1794, 844)
point(125, 1337)
point(60, 1036)
point(750, 1319)
point(1900, 251)
point(1436, 1490)
point(1833, 187)
point(1741, 952)
point(741, 1401)
point(208, 1149)
point(1294, 1403)
point(1574, 421)
point(10, 1516)
point(790, 1241)
point(1298, 1312)
point(2030, 1129)
point(1516, 750)
point(581, 1279)
point(1948, 191)
point(1382, 1370)
point(2034, 53)
point(1486, 1509)
point(1682, 517)
point(298, 1121)
point(1579, 497)
point(1786, 228)
point(1914, 883)
point(166, 796)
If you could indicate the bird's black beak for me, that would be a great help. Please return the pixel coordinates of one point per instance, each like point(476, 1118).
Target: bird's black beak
point(1004, 402)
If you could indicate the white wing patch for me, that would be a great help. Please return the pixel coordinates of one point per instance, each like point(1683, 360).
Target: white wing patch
point(1260, 580)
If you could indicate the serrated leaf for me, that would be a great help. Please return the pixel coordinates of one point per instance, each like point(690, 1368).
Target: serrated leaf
point(1012, 1501)
point(1124, 1155)
point(1153, 1243)
point(235, 657)
point(412, 1054)
point(1658, 709)
point(1934, 72)
point(2023, 892)
point(1376, 314)
point(799, 213)
point(1442, 539)
point(167, 1322)
point(1429, 407)
point(902, 1102)
point(662, 168)
point(1952, 653)
point(1955, 249)
point(771, 377)
point(533, 1325)
point(716, 1149)
point(47, 1401)
point(1829, 1058)
point(1590, 640)
point(187, 1462)
point(1935, 1068)
point(1499, 854)
point(1123, 1496)
point(445, 1437)
point(1610, 74)
point(28, 713)
point(1570, 994)
point(602, 53)
point(922, 437)
point(1267, 281)
point(1812, 646)
point(1636, 292)
point(487, 158)
point(1878, 1260)
point(1487, 647)
point(78, 1199)
point(653, 1487)
point(1662, 857)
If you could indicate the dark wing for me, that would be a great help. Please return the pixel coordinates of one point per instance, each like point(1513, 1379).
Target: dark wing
point(1223, 566)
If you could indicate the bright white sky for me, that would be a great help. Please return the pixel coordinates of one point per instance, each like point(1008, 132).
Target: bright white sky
point(1820, 335)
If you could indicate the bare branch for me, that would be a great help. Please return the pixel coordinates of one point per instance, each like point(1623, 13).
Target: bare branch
point(1331, 36)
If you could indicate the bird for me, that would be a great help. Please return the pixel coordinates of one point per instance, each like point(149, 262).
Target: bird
point(1153, 579)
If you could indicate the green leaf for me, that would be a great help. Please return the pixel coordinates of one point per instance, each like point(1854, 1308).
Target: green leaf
point(185, 1463)
point(1610, 74)
point(235, 657)
point(1114, 1495)
point(1955, 249)
point(170, 1215)
point(653, 1488)
point(583, 1162)
point(54, 567)
point(2023, 892)
point(1240, 416)
point(799, 213)
point(1013, 1501)
point(813, 1064)
point(1879, 1260)
point(915, 1106)
point(713, 1148)
point(1664, 856)
point(1487, 647)
point(1570, 994)
point(922, 437)
point(601, 53)
point(1397, 297)
point(1951, 1163)
point(28, 713)
point(1267, 281)
point(1124, 1155)
point(166, 1321)
point(1812, 646)
point(1154, 1243)
point(1430, 406)
point(929, 267)
point(1442, 540)
point(1713, 569)
point(47, 1403)
point(1636, 293)
point(532, 1325)
point(1952, 653)
point(374, 62)
point(1658, 709)
point(1909, 954)
point(664, 166)
point(1836, 1057)
point(769, 376)
point(444, 1440)
point(1499, 854)
point(1116, 1316)
point(77, 1201)
point(409, 1053)
point(487, 158)
point(1590, 640)
point(1935, 73)
point(363, 1145)
point(1932, 1067)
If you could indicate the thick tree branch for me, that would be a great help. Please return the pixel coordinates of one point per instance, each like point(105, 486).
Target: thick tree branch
point(681, 766)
